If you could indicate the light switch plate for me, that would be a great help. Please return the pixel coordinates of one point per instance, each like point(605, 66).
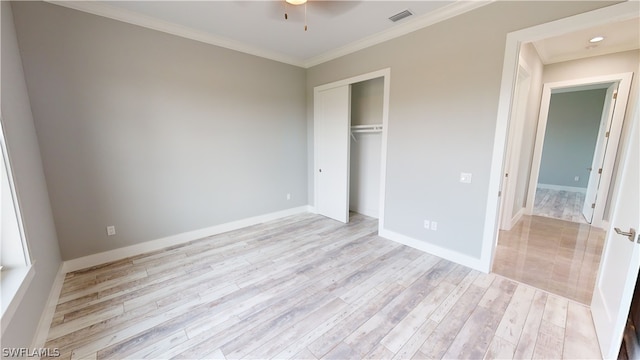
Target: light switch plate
point(465, 178)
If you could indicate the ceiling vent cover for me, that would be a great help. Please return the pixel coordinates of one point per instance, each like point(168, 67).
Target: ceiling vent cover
point(401, 15)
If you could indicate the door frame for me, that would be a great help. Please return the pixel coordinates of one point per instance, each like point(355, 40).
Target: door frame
point(609, 14)
point(600, 150)
point(624, 85)
point(522, 89)
point(386, 75)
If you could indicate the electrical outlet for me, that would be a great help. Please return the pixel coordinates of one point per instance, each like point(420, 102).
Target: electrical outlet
point(288, 196)
point(427, 224)
point(434, 226)
point(111, 230)
point(577, 178)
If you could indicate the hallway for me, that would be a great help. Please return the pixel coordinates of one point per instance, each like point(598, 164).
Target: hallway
point(558, 256)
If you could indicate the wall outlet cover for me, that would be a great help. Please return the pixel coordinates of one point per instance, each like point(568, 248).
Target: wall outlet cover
point(465, 178)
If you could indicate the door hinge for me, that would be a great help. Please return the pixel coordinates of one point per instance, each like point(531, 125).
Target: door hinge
point(615, 95)
point(593, 206)
point(506, 175)
point(499, 193)
point(606, 134)
point(600, 171)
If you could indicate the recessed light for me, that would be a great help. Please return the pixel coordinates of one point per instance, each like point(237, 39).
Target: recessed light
point(596, 39)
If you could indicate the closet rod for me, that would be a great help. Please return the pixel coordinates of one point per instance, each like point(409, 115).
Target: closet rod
point(355, 131)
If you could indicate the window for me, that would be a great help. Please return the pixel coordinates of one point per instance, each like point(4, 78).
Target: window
point(16, 271)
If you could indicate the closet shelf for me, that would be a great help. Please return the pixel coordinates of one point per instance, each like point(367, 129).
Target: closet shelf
point(366, 128)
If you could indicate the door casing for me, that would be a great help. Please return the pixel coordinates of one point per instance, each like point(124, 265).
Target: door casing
point(624, 85)
point(386, 75)
point(609, 14)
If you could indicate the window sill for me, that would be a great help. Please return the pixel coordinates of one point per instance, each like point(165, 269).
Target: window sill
point(13, 286)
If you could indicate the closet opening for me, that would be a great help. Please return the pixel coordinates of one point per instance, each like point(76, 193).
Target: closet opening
point(350, 146)
point(366, 146)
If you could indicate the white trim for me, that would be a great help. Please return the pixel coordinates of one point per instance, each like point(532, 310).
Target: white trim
point(516, 218)
point(613, 13)
point(563, 188)
point(15, 199)
point(428, 19)
point(131, 17)
point(42, 332)
point(617, 121)
point(15, 283)
point(517, 116)
point(355, 79)
point(104, 10)
point(386, 75)
point(438, 251)
point(153, 245)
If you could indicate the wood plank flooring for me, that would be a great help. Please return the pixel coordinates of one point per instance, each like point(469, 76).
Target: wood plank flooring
point(559, 204)
point(307, 287)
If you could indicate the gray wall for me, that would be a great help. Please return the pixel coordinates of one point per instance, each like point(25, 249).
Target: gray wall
point(445, 82)
point(156, 134)
point(24, 155)
point(366, 102)
point(570, 137)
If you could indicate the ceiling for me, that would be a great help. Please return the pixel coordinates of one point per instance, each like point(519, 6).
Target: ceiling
point(618, 36)
point(335, 28)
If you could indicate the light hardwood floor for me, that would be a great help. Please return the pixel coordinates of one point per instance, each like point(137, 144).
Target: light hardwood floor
point(307, 287)
point(559, 204)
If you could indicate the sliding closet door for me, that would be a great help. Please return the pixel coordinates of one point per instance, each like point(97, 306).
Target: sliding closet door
point(332, 112)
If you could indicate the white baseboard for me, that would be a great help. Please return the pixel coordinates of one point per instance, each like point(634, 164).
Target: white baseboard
point(153, 245)
point(518, 216)
point(563, 188)
point(438, 251)
point(42, 332)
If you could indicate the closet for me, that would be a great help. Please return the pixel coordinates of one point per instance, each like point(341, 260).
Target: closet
point(366, 146)
point(349, 137)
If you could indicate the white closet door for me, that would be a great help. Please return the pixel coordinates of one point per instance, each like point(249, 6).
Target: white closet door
point(332, 112)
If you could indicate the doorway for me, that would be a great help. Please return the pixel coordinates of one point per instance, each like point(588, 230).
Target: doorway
point(350, 137)
point(577, 139)
point(614, 13)
point(576, 123)
point(578, 128)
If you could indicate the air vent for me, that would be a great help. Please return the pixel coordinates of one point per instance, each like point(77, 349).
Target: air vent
point(401, 15)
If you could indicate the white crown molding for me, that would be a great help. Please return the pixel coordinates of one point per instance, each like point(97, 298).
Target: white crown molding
point(104, 10)
point(430, 18)
point(438, 15)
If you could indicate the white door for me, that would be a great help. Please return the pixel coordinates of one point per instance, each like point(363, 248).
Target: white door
point(332, 120)
point(598, 156)
point(621, 257)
